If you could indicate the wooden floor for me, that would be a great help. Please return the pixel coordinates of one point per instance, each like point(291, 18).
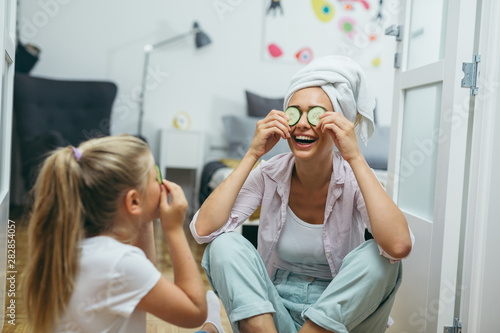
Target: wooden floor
point(154, 325)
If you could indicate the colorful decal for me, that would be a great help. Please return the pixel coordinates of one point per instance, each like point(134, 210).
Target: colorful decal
point(274, 6)
point(347, 25)
point(275, 50)
point(305, 55)
point(323, 10)
point(363, 2)
point(376, 62)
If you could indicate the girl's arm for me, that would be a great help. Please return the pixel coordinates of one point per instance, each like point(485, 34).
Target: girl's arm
point(216, 209)
point(183, 302)
point(388, 224)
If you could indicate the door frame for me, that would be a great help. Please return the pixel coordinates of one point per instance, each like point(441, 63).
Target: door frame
point(444, 243)
point(7, 41)
point(476, 226)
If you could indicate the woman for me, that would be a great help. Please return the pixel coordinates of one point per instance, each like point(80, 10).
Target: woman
point(313, 271)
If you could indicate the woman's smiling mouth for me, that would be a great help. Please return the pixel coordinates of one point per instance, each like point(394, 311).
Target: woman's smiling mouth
point(303, 140)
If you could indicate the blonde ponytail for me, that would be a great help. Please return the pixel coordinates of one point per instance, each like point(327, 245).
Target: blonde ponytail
point(74, 199)
point(54, 231)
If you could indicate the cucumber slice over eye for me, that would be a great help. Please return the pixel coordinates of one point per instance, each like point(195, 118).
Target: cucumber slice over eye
point(159, 178)
point(313, 115)
point(293, 115)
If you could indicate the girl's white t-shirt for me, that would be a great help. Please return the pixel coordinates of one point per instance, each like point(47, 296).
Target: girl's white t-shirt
point(113, 277)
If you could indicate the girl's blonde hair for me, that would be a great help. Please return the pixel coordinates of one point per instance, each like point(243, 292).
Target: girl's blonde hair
point(74, 199)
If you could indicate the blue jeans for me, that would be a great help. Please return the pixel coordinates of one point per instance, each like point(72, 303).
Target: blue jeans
point(359, 298)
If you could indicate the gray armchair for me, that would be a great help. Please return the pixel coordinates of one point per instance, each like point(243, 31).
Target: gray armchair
point(55, 113)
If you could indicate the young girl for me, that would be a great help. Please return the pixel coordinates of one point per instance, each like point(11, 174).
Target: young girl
point(91, 235)
point(312, 272)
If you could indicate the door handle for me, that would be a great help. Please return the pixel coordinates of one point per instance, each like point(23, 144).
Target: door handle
point(396, 31)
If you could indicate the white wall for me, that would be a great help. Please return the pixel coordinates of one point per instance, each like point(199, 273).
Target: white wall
point(104, 40)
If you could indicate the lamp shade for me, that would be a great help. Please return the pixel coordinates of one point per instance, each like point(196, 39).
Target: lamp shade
point(201, 39)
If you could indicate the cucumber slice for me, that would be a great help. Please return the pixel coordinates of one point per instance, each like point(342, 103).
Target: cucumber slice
point(293, 115)
point(313, 115)
point(159, 178)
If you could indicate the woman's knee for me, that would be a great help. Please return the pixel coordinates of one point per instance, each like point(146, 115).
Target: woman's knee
point(381, 267)
point(227, 248)
point(375, 266)
point(386, 274)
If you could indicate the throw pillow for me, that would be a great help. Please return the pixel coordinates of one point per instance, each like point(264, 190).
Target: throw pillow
point(258, 106)
point(239, 132)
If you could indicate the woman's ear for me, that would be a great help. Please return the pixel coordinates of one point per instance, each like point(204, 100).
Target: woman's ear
point(133, 202)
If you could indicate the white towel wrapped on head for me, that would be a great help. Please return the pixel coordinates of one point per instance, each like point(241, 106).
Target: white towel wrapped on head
point(344, 82)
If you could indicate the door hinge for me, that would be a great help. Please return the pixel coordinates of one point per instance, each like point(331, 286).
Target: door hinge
point(397, 60)
point(456, 328)
point(396, 31)
point(470, 74)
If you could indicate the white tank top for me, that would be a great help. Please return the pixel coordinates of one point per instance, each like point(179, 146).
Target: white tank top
point(300, 248)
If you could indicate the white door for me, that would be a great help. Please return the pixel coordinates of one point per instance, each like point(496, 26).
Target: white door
point(428, 156)
point(7, 46)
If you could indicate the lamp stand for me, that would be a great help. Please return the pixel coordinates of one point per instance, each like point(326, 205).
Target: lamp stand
point(201, 39)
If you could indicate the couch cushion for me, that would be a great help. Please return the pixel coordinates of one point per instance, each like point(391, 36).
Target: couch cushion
point(259, 106)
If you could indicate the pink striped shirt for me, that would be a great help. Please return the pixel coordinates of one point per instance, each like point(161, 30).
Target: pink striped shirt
point(269, 185)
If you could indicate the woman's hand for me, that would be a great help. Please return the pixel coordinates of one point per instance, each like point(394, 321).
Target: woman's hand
point(268, 132)
point(342, 132)
point(172, 214)
point(216, 209)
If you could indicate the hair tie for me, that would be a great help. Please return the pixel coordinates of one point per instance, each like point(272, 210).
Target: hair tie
point(77, 152)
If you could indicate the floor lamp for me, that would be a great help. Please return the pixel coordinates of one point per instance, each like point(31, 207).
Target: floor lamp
point(201, 39)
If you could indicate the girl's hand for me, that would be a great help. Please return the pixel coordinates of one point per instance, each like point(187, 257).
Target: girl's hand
point(173, 213)
point(268, 132)
point(342, 132)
